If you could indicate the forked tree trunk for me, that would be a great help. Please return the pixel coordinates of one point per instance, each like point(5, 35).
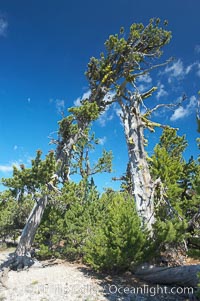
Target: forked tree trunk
point(142, 185)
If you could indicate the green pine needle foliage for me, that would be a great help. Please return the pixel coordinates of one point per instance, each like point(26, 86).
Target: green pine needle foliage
point(116, 240)
point(180, 197)
point(13, 215)
point(65, 223)
point(103, 231)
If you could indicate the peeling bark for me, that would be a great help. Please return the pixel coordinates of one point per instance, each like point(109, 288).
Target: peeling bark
point(31, 227)
point(21, 258)
point(142, 184)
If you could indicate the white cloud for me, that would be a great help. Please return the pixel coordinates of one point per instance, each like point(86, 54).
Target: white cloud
point(193, 102)
point(182, 112)
point(106, 116)
point(3, 26)
point(179, 71)
point(77, 102)
point(119, 113)
point(176, 70)
point(146, 78)
point(9, 168)
point(60, 105)
point(197, 48)
point(108, 113)
point(179, 113)
point(5, 168)
point(198, 69)
point(102, 140)
point(190, 67)
point(143, 110)
point(15, 147)
point(195, 65)
point(86, 95)
point(144, 82)
point(161, 92)
point(143, 88)
point(103, 118)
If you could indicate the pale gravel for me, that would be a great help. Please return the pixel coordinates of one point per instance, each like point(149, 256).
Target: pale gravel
point(63, 281)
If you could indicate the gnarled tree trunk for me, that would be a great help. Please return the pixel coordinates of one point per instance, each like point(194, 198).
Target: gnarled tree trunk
point(31, 227)
point(182, 275)
point(22, 256)
point(142, 185)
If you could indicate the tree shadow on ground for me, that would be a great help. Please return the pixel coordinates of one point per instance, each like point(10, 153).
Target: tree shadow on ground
point(126, 287)
point(17, 263)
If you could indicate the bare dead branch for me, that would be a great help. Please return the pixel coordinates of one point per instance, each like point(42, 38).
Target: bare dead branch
point(153, 67)
point(170, 105)
point(149, 112)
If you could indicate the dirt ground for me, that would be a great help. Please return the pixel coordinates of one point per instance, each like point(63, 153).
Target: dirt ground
point(60, 280)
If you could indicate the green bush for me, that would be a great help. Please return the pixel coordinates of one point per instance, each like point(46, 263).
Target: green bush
point(13, 215)
point(49, 234)
point(169, 234)
point(116, 239)
point(65, 223)
point(8, 213)
point(105, 232)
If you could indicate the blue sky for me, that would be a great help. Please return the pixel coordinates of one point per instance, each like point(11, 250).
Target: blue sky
point(45, 47)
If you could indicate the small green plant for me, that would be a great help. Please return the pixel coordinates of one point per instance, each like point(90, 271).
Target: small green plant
point(34, 282)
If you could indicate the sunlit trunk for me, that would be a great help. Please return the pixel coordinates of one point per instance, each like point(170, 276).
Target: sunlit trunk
point(140, 174)
point(32, 224)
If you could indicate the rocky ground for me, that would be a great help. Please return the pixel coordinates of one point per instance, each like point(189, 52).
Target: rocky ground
point(60, 280)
